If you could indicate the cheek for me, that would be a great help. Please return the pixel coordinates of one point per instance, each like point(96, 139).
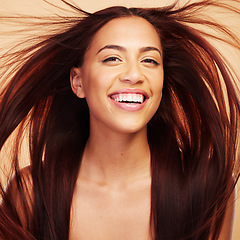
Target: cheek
point(95, 87)
point(158, 85)
point(157, 88)
point(98, 83)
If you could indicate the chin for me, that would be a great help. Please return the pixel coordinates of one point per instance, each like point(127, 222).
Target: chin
point(128, 129)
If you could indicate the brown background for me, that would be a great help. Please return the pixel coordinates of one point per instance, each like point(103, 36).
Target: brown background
point(38, 7)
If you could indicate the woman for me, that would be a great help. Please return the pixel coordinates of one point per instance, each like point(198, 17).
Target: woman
point(138, 144)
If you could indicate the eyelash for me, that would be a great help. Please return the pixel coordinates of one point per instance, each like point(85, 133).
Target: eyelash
point(149, 60)
point(115, 59)
point(111, 59)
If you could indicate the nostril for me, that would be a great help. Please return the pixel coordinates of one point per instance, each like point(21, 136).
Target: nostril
point(132, 78)
point(132, 74)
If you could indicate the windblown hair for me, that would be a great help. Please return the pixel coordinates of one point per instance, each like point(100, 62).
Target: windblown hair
point(192, 136)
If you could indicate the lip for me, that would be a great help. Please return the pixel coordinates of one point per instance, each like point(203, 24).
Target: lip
point(131, 107)
point(130, 90)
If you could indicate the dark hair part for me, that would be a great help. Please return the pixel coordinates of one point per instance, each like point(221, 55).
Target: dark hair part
point(192, 136)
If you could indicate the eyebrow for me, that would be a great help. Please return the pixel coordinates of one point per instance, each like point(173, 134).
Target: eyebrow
point(116, 47)
point(147, 49)
point(123, 49)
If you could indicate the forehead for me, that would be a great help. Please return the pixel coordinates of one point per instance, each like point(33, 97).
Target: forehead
point(127, 31)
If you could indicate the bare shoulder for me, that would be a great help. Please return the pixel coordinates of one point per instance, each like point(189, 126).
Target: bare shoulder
point(228, 222)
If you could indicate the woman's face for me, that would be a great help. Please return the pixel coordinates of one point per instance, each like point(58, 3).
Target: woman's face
point(122, 75)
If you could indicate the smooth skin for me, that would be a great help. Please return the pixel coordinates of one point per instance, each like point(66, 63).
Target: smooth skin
point(112, 195)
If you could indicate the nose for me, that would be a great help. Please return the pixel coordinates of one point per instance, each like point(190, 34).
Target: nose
point(132, 74)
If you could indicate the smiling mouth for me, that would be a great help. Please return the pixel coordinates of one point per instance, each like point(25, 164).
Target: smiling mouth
point(132, 98)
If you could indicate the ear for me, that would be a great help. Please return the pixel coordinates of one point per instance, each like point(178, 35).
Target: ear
point(76, 82)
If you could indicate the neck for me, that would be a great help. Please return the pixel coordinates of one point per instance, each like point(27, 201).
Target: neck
point(115, 159)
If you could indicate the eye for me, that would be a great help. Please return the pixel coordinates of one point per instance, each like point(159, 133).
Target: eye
point(111, 59)
point(150, 61)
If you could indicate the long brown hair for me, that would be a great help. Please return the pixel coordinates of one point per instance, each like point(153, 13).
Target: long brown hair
point(192, 136)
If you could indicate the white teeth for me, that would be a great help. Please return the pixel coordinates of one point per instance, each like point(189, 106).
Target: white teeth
point(128, 97)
